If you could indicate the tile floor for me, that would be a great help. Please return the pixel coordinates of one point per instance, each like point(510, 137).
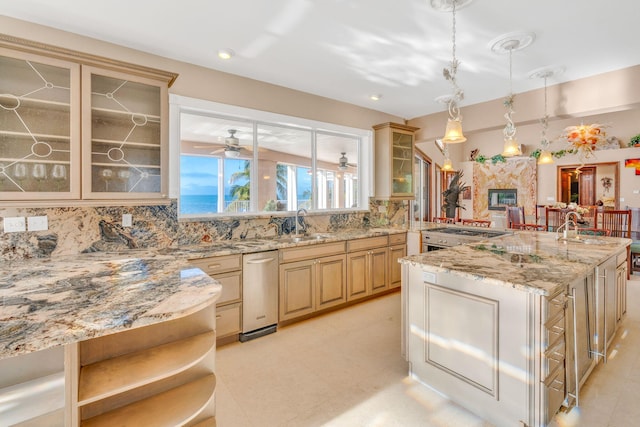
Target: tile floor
point(345, 369)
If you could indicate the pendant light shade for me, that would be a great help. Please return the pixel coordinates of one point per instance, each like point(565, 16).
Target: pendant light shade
point(447, 166)
point(545, 158)
point(453, 133)
point(511, 147)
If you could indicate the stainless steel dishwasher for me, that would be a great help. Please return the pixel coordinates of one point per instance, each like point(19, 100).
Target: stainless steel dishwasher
point(259, 294)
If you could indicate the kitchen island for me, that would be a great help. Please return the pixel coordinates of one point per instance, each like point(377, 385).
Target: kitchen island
point(511, 327)
point(105, 337)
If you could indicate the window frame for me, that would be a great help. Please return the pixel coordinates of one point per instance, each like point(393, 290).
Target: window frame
point(363, 138)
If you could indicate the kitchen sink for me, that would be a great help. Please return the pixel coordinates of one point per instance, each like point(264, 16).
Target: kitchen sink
point(304, 237)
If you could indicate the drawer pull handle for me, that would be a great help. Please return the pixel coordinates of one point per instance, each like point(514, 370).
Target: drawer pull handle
point(214, 266)
point(218, 316)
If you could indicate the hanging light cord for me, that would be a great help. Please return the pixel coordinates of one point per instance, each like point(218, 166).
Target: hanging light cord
point(510, 128)
point(545, 119)
point(450, 73)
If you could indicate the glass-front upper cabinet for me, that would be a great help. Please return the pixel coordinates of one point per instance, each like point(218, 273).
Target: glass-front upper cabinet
point(394, 161)
point(39, 127)
point(124, 136)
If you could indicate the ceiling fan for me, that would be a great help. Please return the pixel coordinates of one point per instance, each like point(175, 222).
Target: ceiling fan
point(231, 146)
point(343, 162)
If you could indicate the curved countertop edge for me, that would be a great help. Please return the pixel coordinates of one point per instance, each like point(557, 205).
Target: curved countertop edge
point(533, 262)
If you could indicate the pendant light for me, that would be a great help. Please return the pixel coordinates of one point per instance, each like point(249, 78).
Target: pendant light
point(545, 157)
point(511, 146)
point(447, 165)
point(453, 133)
point(508, 44)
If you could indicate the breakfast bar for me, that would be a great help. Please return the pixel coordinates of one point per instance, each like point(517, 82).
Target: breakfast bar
point(511, 327)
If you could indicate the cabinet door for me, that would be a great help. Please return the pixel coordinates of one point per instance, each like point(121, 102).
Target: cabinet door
point(395, 268)
point(402, 164)
point(331, 281)
point(357, 275)
point(297, 284)
point(621, 291)
point(378, 269)
point(39, 127)
point(124, 135)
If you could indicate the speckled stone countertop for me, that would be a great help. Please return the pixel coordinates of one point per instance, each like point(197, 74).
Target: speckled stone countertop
point(530, 261)
point(49, 302)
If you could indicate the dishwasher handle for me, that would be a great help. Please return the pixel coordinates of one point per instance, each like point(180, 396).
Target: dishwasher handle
point(260, 261)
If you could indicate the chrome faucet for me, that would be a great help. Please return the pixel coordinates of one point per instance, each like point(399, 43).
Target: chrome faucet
point(299, 213)
point(567, 222)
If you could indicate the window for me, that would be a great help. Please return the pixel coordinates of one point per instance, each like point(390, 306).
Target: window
point(420, 206)
point(232, 165)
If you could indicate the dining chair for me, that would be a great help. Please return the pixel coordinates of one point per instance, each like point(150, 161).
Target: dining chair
point(618, 221)
point(540, 214)
point(594, 231)
point(530, 227)
point(443, 220)
point(476, 222)
point(554, 218)
point(515, 215)
point(635, 236)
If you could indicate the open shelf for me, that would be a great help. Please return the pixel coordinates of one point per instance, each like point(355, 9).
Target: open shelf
point(126, 165)
point(105, 112)
point(119, 374)
point(174, 407)
point(127, 143)
point(38, 136)
point(35, 102)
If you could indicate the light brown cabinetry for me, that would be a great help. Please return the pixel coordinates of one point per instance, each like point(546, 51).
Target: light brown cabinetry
point(394, 161)
point(312, 278)
point(227, 270)
point(57, 104)
point(368, 265)
point(161, 374)
point(397, 250)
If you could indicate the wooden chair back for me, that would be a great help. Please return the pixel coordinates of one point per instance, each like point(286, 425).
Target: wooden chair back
point(617, 221)
point(443, 220)
point(476, 222)
point(554, 218)
point(530, 227)
point(515, 216)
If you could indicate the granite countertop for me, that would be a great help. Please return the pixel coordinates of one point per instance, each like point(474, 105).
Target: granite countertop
point(49, 302)
point(529, 261)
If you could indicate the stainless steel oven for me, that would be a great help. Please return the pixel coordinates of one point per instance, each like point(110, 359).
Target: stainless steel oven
point(446, 237)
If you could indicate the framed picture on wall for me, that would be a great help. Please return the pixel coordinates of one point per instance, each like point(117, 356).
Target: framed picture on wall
point(466, 193)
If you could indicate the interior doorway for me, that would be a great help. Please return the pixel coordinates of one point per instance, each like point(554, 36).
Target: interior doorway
point(589, 184)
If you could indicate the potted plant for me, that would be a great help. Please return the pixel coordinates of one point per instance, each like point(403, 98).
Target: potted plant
point(451, 196)
point(635, 141)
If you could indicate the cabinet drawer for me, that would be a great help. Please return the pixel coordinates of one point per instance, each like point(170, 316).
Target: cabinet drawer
point(397, 239)
point(231, 287)
point(219, 264)
point(310, 252)
point(228, 320)
point(367, 243)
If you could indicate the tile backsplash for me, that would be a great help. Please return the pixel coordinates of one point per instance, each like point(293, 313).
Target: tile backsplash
point(78, 229)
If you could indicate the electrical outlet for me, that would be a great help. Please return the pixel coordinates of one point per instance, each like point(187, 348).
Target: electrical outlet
point(621, 199)
point(636, 191)
point(127, 220)
point(550, 199)
point(382, 209)
point(37, 223)
point(14, 224)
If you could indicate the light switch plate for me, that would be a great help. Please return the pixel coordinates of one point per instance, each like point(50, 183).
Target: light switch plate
point(127, 220)
point(38, 223)
point(14, 224)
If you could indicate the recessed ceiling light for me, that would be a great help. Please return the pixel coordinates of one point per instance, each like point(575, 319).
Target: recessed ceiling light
point(375, 97)
point(225, 54)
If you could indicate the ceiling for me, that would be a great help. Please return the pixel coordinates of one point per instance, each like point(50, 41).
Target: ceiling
point(350, 49)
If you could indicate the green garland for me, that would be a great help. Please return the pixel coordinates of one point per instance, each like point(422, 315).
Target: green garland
point(536, 154)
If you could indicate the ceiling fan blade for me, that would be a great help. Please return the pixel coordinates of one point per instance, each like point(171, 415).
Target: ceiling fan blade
point(220, 150)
